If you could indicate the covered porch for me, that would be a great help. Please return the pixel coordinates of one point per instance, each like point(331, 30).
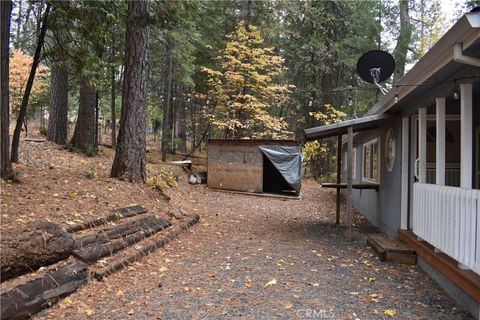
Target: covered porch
point(445, 200)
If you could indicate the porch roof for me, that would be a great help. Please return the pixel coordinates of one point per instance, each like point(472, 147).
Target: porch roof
point(335, 129)
point(431, 76)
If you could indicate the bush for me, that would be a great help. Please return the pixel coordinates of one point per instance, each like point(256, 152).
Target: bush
point(91, 173)
point(91, 150)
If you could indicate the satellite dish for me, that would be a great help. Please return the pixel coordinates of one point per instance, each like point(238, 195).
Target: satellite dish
point(375, 67)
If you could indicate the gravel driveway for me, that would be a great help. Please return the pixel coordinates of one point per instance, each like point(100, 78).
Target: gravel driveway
point(261, 258)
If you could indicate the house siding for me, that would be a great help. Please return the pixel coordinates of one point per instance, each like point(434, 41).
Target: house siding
point(381, 208)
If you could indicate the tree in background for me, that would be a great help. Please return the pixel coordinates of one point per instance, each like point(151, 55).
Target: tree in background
point(5, 16)
point(130, 155)
point(28, 88)
point(403, 41)
point(20, 66)
point(244, 91)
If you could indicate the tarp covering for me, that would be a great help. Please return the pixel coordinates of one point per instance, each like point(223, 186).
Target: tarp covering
point(288, 161)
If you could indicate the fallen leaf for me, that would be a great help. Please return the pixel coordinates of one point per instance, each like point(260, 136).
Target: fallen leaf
point(389, 312)
point(271, 282)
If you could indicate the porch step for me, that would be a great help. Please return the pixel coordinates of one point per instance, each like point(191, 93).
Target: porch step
point(392, 249)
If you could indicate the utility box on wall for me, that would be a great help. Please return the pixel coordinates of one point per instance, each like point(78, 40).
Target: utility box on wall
point(257, 166)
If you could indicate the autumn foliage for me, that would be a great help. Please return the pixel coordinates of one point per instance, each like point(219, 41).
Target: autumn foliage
point(245, 93)
point(20, 65)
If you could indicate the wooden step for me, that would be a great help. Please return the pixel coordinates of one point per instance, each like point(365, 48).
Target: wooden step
point(392, 249)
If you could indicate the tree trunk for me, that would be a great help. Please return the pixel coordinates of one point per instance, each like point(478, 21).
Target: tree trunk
point(97, 111)
point(113, 111)
point(19, 24)
point(182, 127)
point(37, 244)
point(28, 88)
point(57, 119)
point(403, 41)
point(5, 164)
point(84, 134)
point(130, 155)
point(166, 124)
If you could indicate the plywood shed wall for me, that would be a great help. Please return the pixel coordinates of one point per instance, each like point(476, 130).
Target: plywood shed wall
point(237, 165)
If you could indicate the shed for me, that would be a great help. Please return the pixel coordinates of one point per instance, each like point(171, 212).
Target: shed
point(255, 166)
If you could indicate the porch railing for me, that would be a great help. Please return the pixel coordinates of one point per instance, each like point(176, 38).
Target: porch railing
point(449, 219)
point(452, 174)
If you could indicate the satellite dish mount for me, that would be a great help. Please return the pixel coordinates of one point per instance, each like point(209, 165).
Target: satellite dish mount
point(375, 67)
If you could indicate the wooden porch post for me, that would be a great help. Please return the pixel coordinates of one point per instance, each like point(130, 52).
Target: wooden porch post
point(466, 133)
point(339, 172)
point(422, 145)
point(405, 152)
point(440, 148)
point(349, 184)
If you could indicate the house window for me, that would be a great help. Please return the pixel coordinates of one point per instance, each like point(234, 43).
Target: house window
point(371, 161)
point(354, 163)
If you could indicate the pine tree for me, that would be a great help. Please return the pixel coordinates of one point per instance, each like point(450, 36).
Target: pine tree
point(244, 92)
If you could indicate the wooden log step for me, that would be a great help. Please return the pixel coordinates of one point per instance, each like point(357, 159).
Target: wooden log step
point(117, 214)
point(34, 245)
point(138, 253)
point(108, 234)
point(392, 249)
point(25, 300)
point(95, 251)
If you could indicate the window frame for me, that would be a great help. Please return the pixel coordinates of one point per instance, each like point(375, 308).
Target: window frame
point(354, 162)
point(377, 141)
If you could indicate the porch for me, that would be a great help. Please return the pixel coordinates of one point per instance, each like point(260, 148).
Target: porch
point(444, 206)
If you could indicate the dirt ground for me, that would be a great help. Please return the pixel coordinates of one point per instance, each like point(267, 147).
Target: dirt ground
point(250, 257)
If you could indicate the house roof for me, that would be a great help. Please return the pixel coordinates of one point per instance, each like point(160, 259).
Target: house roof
point(335, 129)
point(434, 71)
point(437, 64)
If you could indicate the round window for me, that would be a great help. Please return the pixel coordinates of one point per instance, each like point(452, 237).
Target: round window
point(390, 149)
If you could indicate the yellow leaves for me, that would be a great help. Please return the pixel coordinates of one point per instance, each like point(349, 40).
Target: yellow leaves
point(67, 300)
point(389, 312)
point(271, 283)
point(89, 312)
point(20, 64)
point(245, 96)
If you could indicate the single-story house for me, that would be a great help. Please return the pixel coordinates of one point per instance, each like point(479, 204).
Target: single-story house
point(415, 161)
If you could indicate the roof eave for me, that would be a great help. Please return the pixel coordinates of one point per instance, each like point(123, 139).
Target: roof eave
point(465, 31)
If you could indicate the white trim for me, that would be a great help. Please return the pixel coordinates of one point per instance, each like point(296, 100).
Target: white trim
point(440, 141)
point(422, 145)
point(466, 130)
point(404, 194)
point(477, 160)
point(377, 141)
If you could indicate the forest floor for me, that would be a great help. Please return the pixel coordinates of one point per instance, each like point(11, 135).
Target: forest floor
point(252, 257)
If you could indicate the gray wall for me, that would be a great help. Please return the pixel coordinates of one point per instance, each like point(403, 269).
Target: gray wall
point(381, 208)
